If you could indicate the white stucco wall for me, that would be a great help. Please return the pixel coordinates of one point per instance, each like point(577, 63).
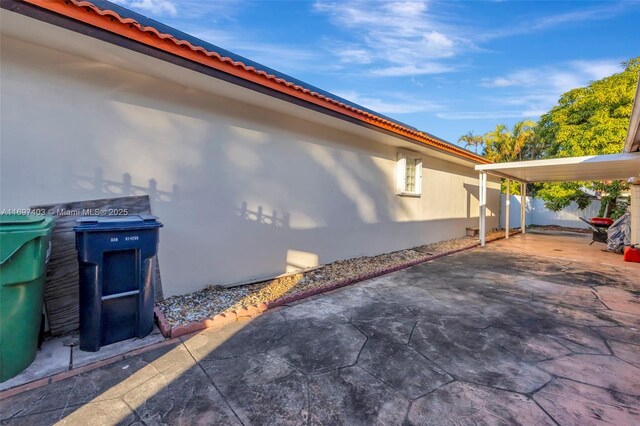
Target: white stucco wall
point(217, 170)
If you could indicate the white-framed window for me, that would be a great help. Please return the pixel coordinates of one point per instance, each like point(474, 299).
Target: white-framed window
point(409, 173)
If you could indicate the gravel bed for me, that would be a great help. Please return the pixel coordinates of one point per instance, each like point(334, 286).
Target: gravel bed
point(215, 299)
point(559, 229)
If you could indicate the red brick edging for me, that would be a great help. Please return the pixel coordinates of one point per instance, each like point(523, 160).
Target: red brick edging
point(220, 320)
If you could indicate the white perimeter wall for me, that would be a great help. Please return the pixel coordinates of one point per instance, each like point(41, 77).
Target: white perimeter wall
point(243, 192)
point(538, 214)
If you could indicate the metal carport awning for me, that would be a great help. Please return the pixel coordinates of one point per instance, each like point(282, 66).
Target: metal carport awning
point(593, 167)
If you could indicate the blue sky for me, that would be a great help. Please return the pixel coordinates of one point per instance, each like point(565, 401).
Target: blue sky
point(444, 67)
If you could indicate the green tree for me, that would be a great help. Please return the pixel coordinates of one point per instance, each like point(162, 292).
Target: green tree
point(502, 144)
point(589, 120)
point(471, 140)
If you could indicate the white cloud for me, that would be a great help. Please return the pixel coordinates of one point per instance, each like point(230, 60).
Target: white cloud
point(412, 70)
point(558, 78)
point(439, 42)
point(354, 55)
point(551, 77)
point(486, 115)
point(406, 8)
point(518, 78)
point(399, 38)
point(500, 82)
point(154, 7)
point(214, 10)
point(597, 69)
point(417, 82)
point(538, 24)
point(591, 14)
point(393, 103)
point(536, 90)
point(391, 34)
point(279, 57)
point(218, 37)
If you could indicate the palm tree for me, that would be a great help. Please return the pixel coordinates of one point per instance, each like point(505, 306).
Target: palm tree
point(503, 145)
point(522, 134)
point(535, 147)
point(498, 144)
point(472, 140)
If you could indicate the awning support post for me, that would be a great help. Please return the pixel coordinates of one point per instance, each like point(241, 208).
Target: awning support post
point(523, 207)
point(507, 209)
point(483, 207)
point(634, 208)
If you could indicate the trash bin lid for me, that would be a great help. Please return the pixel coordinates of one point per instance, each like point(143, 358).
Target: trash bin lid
point(16, 230)
point(22, 223)
point(116, 223)
point(19, 219)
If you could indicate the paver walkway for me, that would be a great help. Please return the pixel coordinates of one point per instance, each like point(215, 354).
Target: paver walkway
point(540, 329)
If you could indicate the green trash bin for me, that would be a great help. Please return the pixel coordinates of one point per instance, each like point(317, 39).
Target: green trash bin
point(25, 244)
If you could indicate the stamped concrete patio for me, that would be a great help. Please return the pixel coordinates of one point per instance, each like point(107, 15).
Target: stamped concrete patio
point(539, 329)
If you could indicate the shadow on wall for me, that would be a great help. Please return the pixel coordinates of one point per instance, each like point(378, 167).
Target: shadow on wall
point(344, 216)
point(257, 213)
point(472, 191)
point(262, 218)
point(123, 188)
point(243, 192)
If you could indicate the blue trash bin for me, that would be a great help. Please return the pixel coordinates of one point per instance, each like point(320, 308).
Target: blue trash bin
point(117, 257)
